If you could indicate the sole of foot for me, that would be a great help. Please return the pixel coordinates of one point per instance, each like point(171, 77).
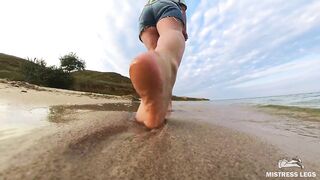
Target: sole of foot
point(150, 80)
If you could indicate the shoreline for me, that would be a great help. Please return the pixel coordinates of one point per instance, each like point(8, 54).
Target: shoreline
point(96, 138)
point(33, 95)
point(293, 135)
point(303, 113)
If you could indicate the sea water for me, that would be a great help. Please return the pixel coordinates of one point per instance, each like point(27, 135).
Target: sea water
point(305, 100)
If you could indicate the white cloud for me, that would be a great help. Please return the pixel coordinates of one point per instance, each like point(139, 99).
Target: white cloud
point(101, 32)
point(289, 72)
point(233, 46)
point(235, 40)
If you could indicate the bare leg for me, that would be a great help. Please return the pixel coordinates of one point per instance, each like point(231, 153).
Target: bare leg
point(153, 73)
point(150, 38)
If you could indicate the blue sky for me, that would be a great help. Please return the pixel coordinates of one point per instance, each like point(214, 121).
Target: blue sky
point(236, 49)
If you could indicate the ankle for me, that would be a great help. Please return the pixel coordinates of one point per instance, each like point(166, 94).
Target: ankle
point(172, 61)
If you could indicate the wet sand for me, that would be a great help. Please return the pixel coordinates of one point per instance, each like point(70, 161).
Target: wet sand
point(294, 133)
point(80, 140)
point(108, 145)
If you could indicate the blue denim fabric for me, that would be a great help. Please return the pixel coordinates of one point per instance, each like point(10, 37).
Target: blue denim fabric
point(155, 11)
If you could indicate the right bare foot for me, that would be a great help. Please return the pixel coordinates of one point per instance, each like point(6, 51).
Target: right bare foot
point(150, 76)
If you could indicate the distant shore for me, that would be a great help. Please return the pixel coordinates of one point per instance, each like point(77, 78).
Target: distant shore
point(177, 98)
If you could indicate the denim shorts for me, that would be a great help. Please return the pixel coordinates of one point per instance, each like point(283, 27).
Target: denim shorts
point(154, 12)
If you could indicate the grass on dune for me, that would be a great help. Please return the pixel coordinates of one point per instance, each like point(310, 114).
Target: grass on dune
point(10, 67)
point(102, 82)
point(87, 81)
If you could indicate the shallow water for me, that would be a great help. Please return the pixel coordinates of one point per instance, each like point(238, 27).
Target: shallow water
point(305, 100)
point(17, 120)
point(295, 136)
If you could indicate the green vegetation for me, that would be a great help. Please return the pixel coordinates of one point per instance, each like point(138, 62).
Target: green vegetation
point(176, 98)
point(35, 71)
point(309, 114)
point(102, 82)
point(71, 62)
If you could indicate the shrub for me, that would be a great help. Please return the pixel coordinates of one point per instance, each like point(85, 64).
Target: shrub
point(71, 62)
point(36, 72)
point(57, 78)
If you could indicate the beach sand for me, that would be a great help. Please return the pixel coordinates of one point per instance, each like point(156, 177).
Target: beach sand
point(85, 138)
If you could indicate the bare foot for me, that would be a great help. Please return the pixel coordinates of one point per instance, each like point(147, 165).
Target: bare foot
point(150, 76)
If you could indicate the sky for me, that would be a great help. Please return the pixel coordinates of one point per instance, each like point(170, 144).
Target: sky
point(236, 49)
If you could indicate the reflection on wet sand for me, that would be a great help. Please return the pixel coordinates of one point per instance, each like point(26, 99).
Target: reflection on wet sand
point(18, 120)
